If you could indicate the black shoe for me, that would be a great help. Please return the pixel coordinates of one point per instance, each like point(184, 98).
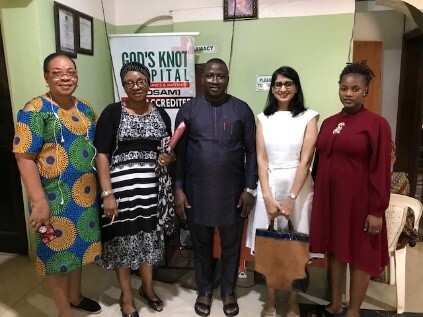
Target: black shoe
point(155, 304)
point(133, 314)
point(88, 305)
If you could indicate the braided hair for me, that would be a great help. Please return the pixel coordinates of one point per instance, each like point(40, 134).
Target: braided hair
point(358, 68)
point(296, 105)
point(135, 67)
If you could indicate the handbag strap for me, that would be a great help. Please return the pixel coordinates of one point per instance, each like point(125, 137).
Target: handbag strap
point(272, 226)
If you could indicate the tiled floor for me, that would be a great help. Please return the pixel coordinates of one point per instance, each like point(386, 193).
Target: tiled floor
point(22, 293)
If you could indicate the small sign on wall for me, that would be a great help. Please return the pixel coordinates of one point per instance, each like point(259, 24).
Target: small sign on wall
point(205, 49)
point(263, 82)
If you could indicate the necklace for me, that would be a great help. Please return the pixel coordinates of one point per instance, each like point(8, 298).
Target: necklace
point(139, 110)
point(68, 109)
point(60, 112)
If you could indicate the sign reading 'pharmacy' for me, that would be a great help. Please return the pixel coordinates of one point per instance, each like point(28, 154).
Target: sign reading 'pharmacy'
point(205, 49)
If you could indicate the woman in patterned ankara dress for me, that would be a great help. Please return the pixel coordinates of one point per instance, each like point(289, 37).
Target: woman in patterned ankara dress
point(54, 150)
point(128, 136)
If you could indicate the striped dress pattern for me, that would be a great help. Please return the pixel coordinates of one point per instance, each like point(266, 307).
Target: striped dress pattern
point(133, 237)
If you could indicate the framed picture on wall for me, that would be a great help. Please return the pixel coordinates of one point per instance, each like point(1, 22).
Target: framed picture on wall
point(239, 9)
point(85, 34)
point(65, 29)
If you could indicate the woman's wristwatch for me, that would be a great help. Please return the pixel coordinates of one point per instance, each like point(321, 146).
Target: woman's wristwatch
point(106, 193)
point(292, 196)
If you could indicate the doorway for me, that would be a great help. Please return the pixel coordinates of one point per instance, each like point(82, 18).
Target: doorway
point(13, 236)
point(371, 52)
point(199, 89)
point(410, 107)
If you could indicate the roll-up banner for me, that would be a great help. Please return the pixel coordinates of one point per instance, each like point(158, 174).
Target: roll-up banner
point(170, 59)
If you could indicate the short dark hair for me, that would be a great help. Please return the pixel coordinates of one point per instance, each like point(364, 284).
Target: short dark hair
point(358, 68)
point(296, 105)
point(216, 61)
point(48, 59)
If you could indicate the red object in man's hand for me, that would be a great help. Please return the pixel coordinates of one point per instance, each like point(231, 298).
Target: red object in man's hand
point(176, 136)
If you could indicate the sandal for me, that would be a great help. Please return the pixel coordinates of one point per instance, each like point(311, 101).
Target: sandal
point(133, 314)
point(230, 305)
point(321, 311)
point(269, 313)
point(292, 313)
point(155, 304)
point(202, 305)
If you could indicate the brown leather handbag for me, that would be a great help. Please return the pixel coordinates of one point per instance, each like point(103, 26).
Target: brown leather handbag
point(282, 258)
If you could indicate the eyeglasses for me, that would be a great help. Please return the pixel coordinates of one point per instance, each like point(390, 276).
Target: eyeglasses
point(130, 84)
point(211, 77)
point(57, 73)
point(288, 85)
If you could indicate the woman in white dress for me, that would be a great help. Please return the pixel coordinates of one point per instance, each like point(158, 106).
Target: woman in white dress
point(286, 137)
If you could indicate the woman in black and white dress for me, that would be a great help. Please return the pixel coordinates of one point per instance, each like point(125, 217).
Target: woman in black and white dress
point(127, 140)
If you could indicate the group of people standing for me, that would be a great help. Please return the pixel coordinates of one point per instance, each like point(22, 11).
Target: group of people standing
point(225, 168)
point(343, 208)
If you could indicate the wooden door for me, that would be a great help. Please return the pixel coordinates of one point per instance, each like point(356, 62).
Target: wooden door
point(199, 89)
point(410, 106)
point(371, 51)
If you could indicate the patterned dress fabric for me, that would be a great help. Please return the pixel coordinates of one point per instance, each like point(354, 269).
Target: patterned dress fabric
point(134, 236)
point(168, 221)
point(64, 143)
point(283, 139)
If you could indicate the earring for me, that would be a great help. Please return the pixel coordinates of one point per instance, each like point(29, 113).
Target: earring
point(365, 94)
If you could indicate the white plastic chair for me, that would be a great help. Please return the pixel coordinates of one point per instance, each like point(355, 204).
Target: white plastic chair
point(396, 216)
point(395, 224)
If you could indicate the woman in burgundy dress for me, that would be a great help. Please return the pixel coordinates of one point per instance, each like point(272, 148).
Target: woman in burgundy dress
point(351, 194)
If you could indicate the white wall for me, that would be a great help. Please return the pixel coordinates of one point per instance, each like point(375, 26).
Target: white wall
point(390, 86)
point(398, 5)
point(94, 8)
point(130, 12)
point(374, 22)
point(417, 3)
point(387, 27)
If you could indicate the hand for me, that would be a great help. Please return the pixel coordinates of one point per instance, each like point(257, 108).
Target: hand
point(110, 207)
point(246, 202)
point(373, 224)
point(165, 159)
point(273, 208)
point(181, 203)
point(40, 214)
point(287, 206)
